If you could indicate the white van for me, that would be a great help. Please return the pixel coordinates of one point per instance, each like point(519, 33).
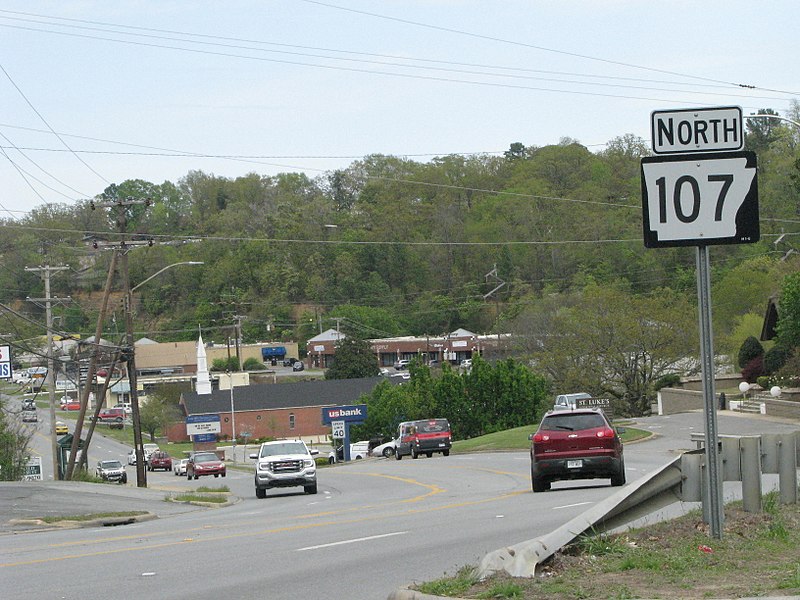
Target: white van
point(358, 451)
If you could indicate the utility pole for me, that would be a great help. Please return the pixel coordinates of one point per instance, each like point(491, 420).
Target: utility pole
point(128, 354)
point(51, 378)
point(238, 327)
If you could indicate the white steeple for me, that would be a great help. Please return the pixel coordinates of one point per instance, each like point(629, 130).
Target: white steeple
point(203, 380)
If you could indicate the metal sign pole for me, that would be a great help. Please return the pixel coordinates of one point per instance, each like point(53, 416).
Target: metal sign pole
point(714, 508)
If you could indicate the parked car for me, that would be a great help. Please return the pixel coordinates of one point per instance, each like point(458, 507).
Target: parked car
point(289, 361)
point(159, 460)
point(466, 364)
point(298, 366)
point(358, 451)
point(285, 463)
point(425, 436)
point(111, 470)
point(115, 417)
point(29, 416)
point(64, 400)
point(28, 404)
point(386, 449)
point(61, 428)
point(132, 456)
point(179, 466)
point(71, 405)
point(575, 444)
point(401, 364)
point(204, 463)
point(126, 408)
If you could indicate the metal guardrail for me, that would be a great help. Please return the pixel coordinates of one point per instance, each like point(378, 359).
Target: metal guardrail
point(744, 459)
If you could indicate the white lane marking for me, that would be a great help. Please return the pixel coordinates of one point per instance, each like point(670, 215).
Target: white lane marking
point(570, 505)
point(353, 541)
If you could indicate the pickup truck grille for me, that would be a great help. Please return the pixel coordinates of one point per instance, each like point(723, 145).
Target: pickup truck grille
point(286, 466)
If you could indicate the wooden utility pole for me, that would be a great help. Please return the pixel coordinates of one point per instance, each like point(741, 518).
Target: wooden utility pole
point(90, 374)
point(128, 353)
point(48, 302)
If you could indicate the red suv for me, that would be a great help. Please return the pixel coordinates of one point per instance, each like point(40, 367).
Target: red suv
point(575, 444)
point(114, 416)
point(159, 460)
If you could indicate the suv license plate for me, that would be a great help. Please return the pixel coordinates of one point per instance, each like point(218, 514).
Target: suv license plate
point(574, 464)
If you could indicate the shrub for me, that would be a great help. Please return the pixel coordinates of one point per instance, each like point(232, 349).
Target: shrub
point(751, 349)
point(253, 364)
point(753, 370)
point(666, 381)
point(775, 358)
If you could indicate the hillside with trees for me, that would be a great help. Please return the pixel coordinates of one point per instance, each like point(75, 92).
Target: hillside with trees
point(391, 246)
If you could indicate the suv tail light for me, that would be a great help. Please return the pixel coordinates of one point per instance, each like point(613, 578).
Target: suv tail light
point(541, 437)
point(605, 433)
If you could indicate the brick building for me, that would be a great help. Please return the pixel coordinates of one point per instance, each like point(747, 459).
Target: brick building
point(279, 410)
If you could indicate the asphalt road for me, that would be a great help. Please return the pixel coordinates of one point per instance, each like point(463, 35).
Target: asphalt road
point(375, 525)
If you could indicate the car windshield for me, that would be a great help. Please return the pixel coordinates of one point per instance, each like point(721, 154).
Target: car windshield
point(205, 458)
point(111, 464)
point(283, 448)
point(572, 422)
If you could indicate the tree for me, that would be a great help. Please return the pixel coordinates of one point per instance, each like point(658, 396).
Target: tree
point(13, 448)
point(788, 327)
point(354, 359)
point(157, 413)
point(606, 341)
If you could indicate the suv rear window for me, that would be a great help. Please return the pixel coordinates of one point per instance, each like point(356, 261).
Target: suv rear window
point(572, 422)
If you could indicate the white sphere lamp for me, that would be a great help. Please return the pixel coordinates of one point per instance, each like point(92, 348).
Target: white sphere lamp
point(775, 391)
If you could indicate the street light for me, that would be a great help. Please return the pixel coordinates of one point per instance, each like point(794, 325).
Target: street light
point(190, 262)
point(141, 472)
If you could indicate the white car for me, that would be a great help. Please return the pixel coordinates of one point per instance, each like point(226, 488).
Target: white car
point(358, 451)
point(179, 466)
point(132, 456)
point(386, 449)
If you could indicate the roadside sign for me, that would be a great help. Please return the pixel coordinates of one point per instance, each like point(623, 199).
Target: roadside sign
point(202, 424)
point(697, 130)
point(352, 414)
point(5, 362)
point(33, 469)
point(700, 199)
point(338, 429)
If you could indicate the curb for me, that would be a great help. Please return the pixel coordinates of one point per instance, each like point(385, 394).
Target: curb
point(74, 524)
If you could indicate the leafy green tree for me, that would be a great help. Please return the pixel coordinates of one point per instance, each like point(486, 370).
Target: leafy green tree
point(14, 442)
point(788, 327)
point(157, 413)
point(606, 341)
point(353, 359)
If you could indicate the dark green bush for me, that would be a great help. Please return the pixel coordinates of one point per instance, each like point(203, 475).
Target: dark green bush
point(751, 349)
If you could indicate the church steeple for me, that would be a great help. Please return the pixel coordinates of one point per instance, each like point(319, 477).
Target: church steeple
point(203, 379)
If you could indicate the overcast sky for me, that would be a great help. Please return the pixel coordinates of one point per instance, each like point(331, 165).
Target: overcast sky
point(97, 92)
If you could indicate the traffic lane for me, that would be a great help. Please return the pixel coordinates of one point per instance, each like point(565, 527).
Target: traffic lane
point(452, 528)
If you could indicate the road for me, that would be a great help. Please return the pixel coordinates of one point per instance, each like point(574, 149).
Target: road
point(375, 525)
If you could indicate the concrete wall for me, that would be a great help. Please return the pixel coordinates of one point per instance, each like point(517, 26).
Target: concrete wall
point(675, 400)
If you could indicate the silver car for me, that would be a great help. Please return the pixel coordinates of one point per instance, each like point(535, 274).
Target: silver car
point(285, 463)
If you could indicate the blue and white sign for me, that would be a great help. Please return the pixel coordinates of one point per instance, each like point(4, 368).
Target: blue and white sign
point(5, 362)
point(204, 438)
point(350, 414)
point(202, 424)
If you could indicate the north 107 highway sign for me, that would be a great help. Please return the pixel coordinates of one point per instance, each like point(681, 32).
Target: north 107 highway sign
point(700, 199)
